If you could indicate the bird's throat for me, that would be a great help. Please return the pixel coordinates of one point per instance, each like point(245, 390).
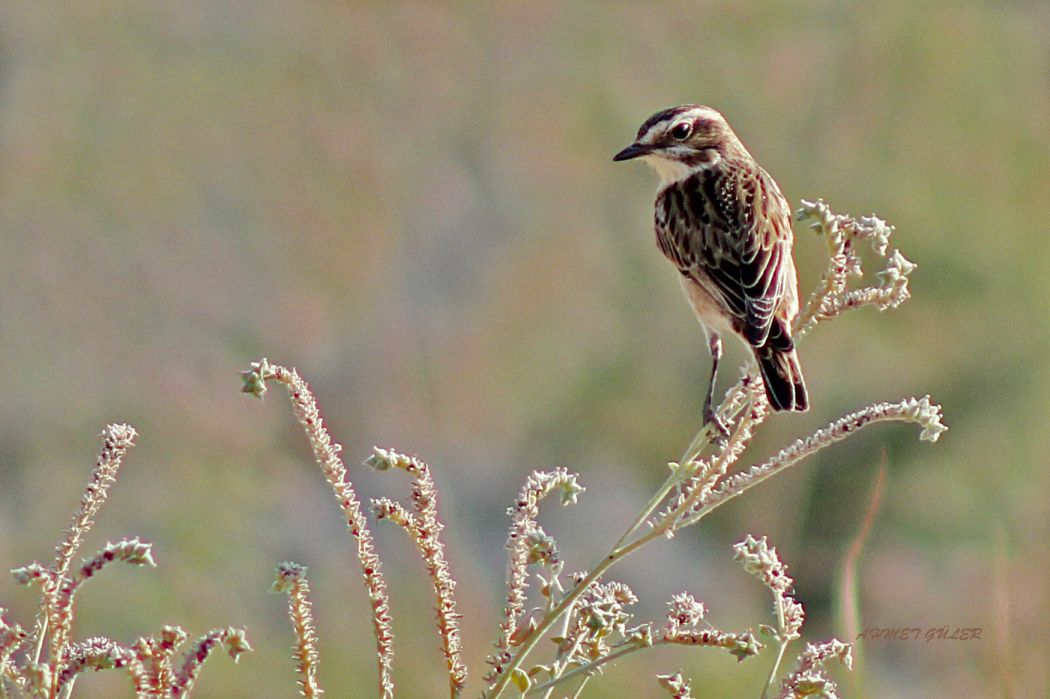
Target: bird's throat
point(674, 170)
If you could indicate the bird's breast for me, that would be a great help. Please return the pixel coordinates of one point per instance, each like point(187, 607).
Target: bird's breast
point(711, 314)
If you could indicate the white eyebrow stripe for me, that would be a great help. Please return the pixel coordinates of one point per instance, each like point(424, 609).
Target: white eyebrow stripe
point(661, 126)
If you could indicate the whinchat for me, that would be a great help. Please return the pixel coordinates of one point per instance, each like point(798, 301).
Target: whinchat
point(722, 221)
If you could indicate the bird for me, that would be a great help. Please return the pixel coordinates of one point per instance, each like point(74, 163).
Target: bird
point(725, 225)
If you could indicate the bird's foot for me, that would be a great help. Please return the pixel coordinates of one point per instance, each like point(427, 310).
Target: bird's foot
point(721, 430)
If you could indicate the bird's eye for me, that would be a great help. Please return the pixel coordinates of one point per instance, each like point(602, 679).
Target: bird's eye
point(681, 130)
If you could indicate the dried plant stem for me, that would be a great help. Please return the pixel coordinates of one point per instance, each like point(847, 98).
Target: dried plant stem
point(97, 653)
point(908, 410)
point(683, 514)
point(291, 579)
point(68, 691)
point(584, 669)
point(615, 556)
point(731, 407)
point(148, 661)
point(326, 453)
point(116, 439)
point(131, 551)
point(583, 684)
point(782, 644)
point(562, 661)
point(714, 639)
point(849, 598)
point(424, 528)
point(232, 639)
point(523, 523)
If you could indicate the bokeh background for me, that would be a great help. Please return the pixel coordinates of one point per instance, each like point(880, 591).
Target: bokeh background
point(414, 204)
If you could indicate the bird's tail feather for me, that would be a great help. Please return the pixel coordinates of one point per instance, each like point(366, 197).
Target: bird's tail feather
point(782, 376)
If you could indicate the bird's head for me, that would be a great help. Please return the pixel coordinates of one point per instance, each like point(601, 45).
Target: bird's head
point(678, 141)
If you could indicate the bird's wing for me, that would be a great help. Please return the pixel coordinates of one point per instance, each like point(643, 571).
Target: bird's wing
point(728, 229)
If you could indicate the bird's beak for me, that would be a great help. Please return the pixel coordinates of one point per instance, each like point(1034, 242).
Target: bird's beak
point(635, 150)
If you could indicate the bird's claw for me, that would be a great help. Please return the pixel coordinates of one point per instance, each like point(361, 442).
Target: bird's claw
point(719, 425)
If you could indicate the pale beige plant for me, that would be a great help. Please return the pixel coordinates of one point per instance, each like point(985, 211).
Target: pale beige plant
point(761, 560)
point(291, 579)
point(598, 633)
point(808, 679)
point(116, 440)
point(522, 542)
point(676, 685)
point(699, 481)
point(424, 528)
point(588, 620)
point(326, 454)
point(229, 639)
point(149, 662)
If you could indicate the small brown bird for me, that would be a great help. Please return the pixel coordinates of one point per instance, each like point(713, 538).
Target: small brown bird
point(721, 219)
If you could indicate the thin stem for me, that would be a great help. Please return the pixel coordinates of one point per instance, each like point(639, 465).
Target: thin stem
point(672, 520)
point(550, 690)
point(549, 620)
point(560, 667)
point(68, 690)
point(737, 484)
point(781, 643)
point(579, 690)
point(672, 480)
point(775, 668)
point(424, 529)
point(699, 443)
point(620, 552)
point(41, 633)
point(586, 669)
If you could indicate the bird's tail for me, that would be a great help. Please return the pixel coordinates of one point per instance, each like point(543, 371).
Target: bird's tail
point(782, 376)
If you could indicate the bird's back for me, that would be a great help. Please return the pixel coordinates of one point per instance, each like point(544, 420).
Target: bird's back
point(727, 229)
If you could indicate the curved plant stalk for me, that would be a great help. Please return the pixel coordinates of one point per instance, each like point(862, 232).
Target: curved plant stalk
point(698, 484)
point(424, 528)
point(291, 579)
point(326, 453)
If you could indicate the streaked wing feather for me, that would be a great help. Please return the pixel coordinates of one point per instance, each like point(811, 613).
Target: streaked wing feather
point(724, 227)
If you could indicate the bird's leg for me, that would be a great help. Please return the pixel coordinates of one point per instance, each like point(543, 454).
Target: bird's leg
point(714, 342)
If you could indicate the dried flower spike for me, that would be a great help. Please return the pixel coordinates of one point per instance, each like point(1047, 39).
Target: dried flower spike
point(523, 522)
point(808, 678)
point(424, 528)
point(676, 685)
point(116, 440)
point(231, 639)
point(291, 579)
point(326, 453)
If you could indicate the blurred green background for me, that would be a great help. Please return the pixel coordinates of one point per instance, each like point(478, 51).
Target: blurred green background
point(414, 204)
